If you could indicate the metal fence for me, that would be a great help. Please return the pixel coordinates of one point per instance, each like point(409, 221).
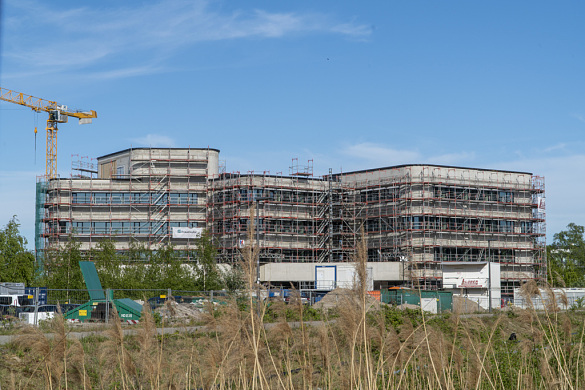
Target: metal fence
point(39, 304)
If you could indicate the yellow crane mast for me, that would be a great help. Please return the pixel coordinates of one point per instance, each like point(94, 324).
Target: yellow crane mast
point(57, 114)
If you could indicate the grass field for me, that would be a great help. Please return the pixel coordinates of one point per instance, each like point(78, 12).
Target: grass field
point(357, 345)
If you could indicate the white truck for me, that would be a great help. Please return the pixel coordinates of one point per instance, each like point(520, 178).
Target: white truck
point(12, 304)
point(44, 312)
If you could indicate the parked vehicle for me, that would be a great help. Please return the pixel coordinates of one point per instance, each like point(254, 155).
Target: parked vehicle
point(11, 304)
point(44, 312)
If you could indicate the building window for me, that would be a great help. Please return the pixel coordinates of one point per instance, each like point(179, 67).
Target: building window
point(140, 198)
point(101, 198)
point(120, 197)
point(81, 197)
point(505, 196)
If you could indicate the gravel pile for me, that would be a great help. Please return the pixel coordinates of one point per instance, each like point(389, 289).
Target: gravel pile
point(405, 306)
point(179, 311)
point(464, 305)
point(342, 296)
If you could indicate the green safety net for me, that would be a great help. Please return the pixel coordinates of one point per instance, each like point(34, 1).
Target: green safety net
point(41, 193)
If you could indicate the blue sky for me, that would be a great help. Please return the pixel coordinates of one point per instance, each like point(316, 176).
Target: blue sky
point(351, 85)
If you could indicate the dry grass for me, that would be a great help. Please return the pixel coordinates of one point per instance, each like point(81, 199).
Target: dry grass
point(362, 347)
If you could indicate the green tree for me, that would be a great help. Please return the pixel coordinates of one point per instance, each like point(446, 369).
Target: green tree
point(566, 257)
point(233, 279)
point(136, 265)
point(62, 269)
point(208, 275)
point(172, 272)
point(108, 265)
point(17, 264)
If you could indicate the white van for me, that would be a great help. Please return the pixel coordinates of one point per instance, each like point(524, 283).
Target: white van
point(11, 304)
point(44, 312)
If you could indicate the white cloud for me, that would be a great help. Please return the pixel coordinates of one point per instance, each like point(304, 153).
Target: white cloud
point(564, 176)
point(564, 187)
point(155, 141)
point(381, 156)
point(462, 158)
point(579, 117)
point(127, 72)
point(558, 146)
point(130, 37)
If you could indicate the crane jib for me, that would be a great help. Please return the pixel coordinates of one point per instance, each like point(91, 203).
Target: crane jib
point(57, 114)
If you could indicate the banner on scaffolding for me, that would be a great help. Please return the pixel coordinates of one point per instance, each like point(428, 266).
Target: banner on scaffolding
point(541, 204)
point(185, 232)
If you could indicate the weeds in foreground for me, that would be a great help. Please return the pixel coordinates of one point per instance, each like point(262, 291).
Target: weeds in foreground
point(366, 346)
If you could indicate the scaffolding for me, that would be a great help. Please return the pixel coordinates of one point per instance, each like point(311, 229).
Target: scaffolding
point(138, 197)
point(420, 215)
point(287, 215)
point(427, 215)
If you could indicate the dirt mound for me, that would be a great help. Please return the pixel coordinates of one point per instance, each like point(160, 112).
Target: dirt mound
point(179, 311)
point(464, 305)
point(405, 306)
point(342, 296)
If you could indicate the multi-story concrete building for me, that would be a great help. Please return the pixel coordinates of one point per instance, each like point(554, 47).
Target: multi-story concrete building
point(414, 217)
point(138, 197)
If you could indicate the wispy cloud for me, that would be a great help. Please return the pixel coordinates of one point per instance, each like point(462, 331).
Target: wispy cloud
point(143, 38)
point(154, 140)
point(565, 184)
point(381, 155)
point(558, 146)
point(579, 117)
point(451, 158)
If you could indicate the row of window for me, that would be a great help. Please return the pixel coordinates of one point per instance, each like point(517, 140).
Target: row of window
point(473, 194)
point(388, 193)
point(474, 254)
point(372, 195)
point(385, 224)
point(144, 227)
point(270, 226)
point(134, 198)
point(447, 224)
point(245, 194)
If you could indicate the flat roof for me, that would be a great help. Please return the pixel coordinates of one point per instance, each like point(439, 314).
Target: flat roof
point(144, 148)
point(427, 165)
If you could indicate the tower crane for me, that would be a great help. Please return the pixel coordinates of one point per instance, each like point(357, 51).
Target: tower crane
point(57, 114)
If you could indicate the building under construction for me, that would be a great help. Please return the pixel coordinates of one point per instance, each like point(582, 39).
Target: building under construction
point(415, 217)
point(132, 197)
